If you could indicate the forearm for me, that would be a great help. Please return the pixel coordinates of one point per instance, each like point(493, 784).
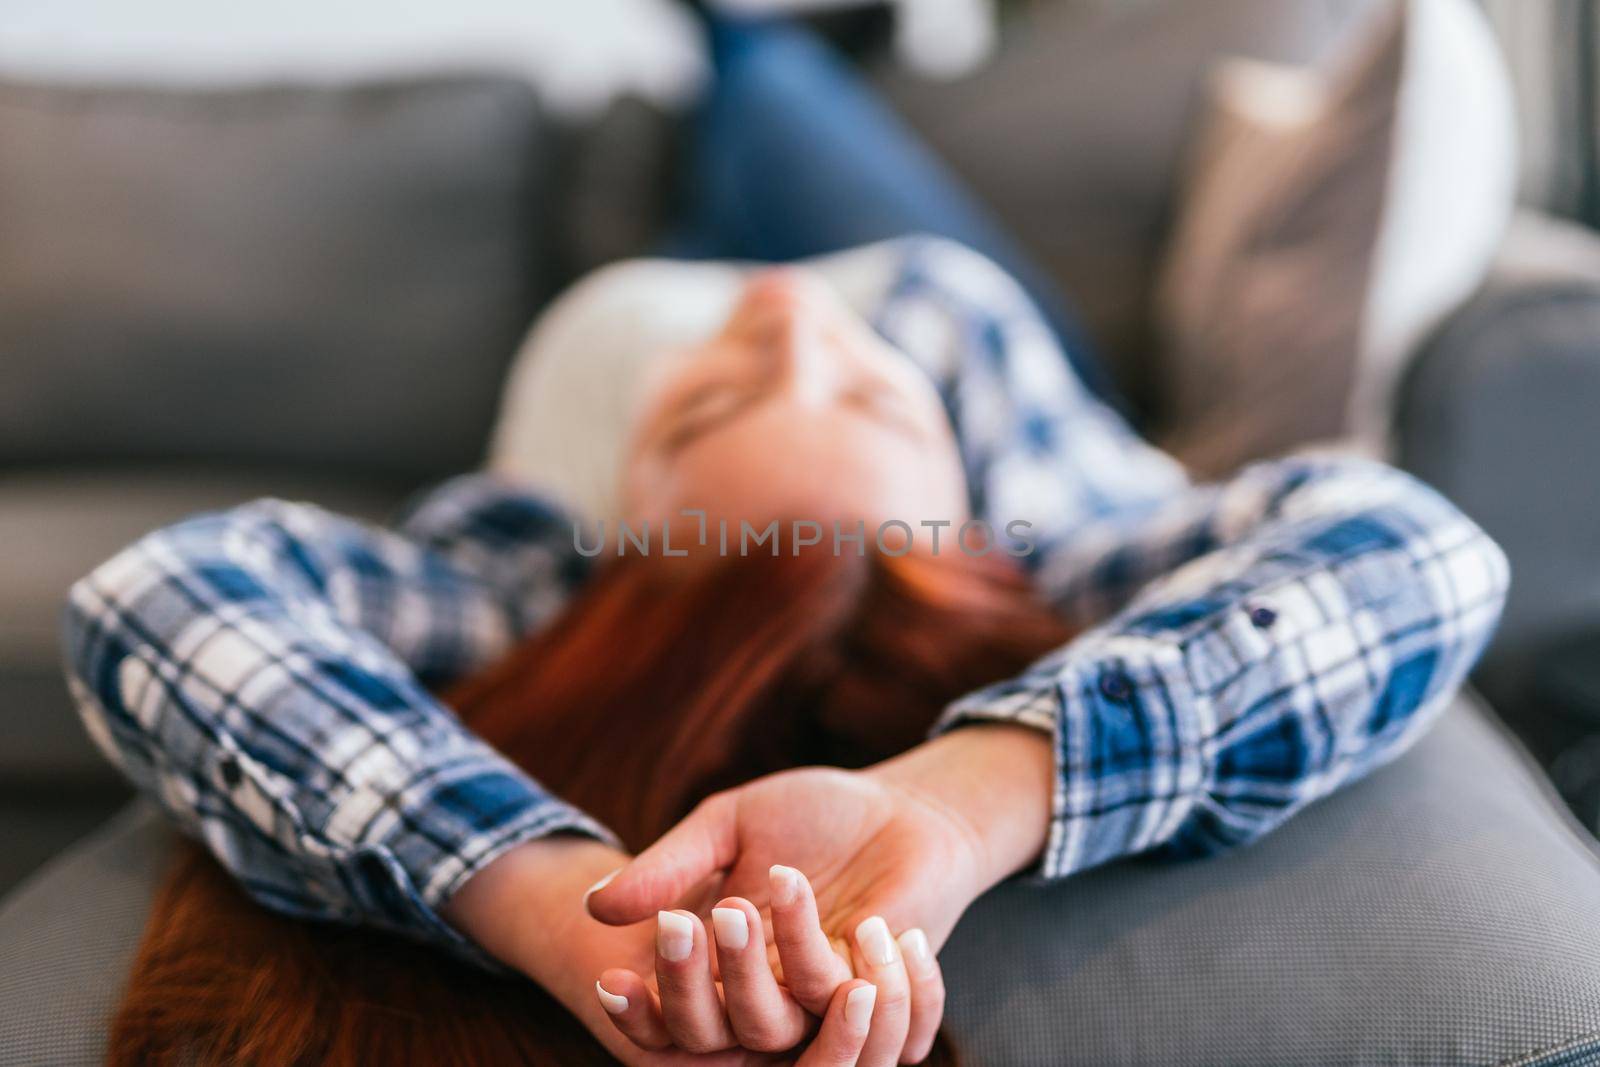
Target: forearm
point(995, 781)
point(526, 906)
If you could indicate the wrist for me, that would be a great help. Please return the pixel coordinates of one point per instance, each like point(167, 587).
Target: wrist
point(997, 780)
point(526, 904)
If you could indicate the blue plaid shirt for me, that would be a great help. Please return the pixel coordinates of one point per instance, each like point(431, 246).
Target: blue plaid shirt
point(265, 672)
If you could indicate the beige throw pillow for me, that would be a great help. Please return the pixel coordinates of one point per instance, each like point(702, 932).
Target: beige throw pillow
point(1330, 218)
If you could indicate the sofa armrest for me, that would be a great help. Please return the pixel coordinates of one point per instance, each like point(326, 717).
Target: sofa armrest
point(1498, 411)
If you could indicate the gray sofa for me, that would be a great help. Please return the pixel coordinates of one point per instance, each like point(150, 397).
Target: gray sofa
point(1422, 918)
point(313, 292)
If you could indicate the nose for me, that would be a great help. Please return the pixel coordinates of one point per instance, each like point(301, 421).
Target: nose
point(771, 286)
point(790, 322)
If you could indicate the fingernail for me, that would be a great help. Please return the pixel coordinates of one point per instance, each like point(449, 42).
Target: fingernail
point(858, 1007)
point(601, 884)
point(876, 944)
point(733, 929)
point(918, 953)
point(612, 1003)
point(674, 936)
point(785, 884)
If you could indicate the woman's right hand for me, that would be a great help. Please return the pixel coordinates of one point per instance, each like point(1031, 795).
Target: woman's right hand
point(526, 909)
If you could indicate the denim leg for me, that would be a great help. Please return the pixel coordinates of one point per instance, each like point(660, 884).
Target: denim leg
point(792, 154)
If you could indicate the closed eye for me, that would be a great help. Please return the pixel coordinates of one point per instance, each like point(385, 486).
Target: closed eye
point(703, 409)
point(717, 403)
point(885, 404)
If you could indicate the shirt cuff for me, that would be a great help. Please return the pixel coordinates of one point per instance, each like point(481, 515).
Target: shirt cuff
point(407, 850)
point(1121, 712)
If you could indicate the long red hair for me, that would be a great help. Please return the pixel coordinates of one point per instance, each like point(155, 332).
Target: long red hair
point(663, 682)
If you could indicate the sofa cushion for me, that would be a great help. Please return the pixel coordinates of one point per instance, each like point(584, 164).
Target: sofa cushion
point(37, 822)
point(70, 935)
point(1444, 911)
point(327, 276)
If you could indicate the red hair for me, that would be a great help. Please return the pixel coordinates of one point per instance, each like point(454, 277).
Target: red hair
point(663, 682)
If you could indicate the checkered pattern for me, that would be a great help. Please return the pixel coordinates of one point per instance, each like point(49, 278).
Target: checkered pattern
point(265, 672)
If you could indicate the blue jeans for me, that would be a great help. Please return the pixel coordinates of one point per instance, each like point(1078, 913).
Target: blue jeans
point(791, 154)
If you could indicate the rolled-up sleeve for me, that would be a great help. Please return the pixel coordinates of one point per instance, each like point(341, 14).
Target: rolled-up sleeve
point(1278, 636)
point(265, 674)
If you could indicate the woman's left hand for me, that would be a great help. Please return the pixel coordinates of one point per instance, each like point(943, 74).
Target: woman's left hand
point(895, 853)
point(526, 909)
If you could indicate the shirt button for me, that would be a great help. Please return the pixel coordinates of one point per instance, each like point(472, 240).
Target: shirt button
point(231, 774)
point(1262, 617)
point(1115, 686)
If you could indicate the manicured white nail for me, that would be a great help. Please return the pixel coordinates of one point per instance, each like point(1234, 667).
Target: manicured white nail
point(918, 953)
point(785, 884)
point(612, 1003)
point(674, 936)
point(876, 944)
point(601, 884)
point(858, 1007)
point(733, 929)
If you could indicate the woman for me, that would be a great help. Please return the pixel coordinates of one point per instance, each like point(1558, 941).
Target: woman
point(715, 672)
point(1248, 647)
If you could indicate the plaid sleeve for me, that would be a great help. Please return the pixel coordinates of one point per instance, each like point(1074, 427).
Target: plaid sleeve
point(263, 673)
point(1309, 620)
point(1249, 646)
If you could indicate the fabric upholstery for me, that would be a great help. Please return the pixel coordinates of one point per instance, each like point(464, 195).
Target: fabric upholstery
point(1517, 367)
point(313, 276)
point(37, 821)
point(1442, 912)
point(69, 936)
point(1499, 414)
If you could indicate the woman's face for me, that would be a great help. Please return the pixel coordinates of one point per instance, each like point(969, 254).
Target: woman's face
point(795, 410)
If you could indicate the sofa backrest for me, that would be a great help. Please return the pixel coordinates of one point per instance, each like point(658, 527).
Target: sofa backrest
point(321, 278)
point(285, 275)
point(308, 236)
point(316, 276)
